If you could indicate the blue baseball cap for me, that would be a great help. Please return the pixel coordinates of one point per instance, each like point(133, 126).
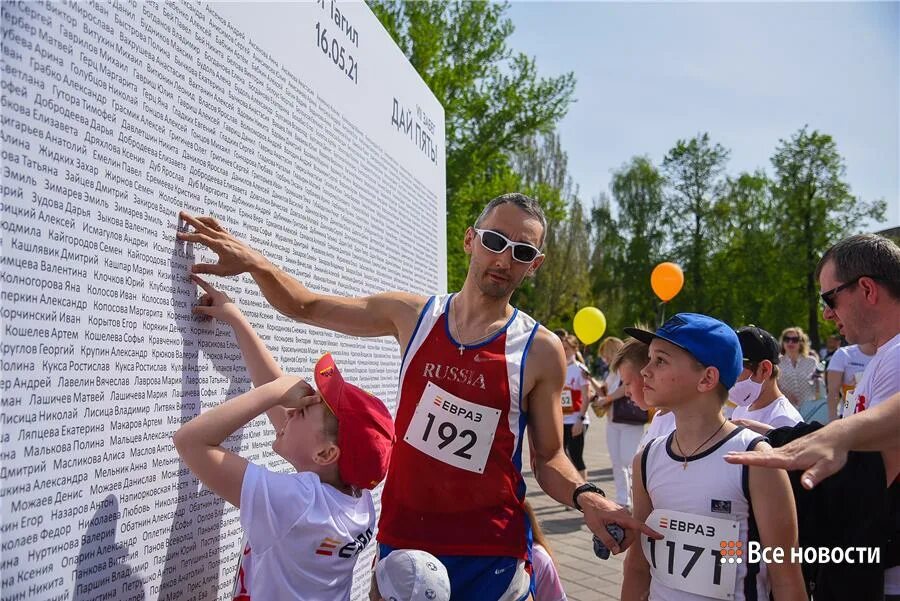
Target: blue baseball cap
point(712, 342)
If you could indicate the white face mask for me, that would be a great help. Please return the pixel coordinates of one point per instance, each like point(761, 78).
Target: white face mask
point(745, 392)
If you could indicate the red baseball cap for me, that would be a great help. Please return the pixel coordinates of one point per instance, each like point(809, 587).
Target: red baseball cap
point(365, 427)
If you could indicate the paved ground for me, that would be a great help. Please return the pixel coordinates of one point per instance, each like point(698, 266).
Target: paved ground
point(585, 577)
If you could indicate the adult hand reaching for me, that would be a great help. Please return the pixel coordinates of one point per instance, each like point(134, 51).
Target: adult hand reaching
point(599, 512)
point(234, 255)
point(819, 453)
point(824, 452)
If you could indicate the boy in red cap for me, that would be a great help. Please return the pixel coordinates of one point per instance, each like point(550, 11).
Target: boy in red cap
point(304, 530)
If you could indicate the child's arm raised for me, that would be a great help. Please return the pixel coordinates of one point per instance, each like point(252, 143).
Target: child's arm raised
point(636, 582)
point(199, 442)
point(776, 517)
point(259, 361)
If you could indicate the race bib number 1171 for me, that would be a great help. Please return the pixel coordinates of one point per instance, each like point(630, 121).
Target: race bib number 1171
point(689, 558)
point(453, 430)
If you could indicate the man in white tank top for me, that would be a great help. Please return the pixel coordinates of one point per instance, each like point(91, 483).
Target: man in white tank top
point(707, 509)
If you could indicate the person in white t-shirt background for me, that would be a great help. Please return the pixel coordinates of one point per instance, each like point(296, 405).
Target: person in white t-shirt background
point(832, 344)
point(304, 530)
point(574, 400)
point(756, 391)
point(846, 366)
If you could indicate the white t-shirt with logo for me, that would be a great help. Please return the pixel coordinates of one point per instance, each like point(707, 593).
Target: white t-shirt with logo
point(576, 379)
point(778, 413)
point(851, 363)
point(304, 536)
point(879, 382)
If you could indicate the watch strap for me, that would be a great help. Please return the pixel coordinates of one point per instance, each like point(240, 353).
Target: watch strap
point(586, 487)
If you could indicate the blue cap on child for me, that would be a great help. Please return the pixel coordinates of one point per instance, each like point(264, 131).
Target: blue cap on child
point(411, 575)
point(712, 342)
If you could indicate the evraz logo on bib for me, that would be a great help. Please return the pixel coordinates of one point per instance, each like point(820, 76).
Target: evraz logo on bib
point(689, 558)
point(451, 407)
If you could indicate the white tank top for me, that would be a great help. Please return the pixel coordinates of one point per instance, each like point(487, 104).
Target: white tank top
point(707, 487)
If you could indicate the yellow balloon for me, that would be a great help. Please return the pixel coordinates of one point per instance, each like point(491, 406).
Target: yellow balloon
point(666, 281)
point(589, 324)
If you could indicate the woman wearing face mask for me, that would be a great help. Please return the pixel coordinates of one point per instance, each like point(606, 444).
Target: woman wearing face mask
point(756, 392)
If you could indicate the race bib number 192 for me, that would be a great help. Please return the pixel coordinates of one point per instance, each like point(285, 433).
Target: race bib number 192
point(453, 430)
point(689, 558)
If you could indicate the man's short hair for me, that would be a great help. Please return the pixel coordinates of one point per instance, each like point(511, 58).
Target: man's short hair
point(526, 203)
point(865, 255)
point(634, 352)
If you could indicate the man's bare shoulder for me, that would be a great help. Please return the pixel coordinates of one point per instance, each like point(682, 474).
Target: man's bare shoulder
point(546, 352)
point(547, 341)
point(403, 309)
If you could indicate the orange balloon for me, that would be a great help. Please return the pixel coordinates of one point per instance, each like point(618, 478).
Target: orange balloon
point(666, 281)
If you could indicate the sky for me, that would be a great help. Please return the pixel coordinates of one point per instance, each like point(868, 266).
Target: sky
point(750, 74)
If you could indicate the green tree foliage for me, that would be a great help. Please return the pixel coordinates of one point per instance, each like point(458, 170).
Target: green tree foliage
point(815, 208)
point(745, 271)
point(560, 283)
point(693, 169)
point(493, 98)
point(607, 257)
point(637, 189)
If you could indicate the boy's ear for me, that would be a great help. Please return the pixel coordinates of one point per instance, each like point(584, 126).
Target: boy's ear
point(709, 380)
point(327, 454)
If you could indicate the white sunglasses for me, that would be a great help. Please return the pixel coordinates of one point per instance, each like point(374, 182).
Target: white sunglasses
point(497, 243)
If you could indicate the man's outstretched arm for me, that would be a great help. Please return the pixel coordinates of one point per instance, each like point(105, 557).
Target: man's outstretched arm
point(386, 314)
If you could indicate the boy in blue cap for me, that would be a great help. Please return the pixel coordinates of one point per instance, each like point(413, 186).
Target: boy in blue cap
point(707, 509)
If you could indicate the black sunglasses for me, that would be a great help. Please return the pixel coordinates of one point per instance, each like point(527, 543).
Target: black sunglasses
point(792, 339)
point(828, 295)
point(497, 243)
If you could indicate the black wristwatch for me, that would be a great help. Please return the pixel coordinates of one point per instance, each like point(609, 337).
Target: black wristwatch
point(586, 487)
